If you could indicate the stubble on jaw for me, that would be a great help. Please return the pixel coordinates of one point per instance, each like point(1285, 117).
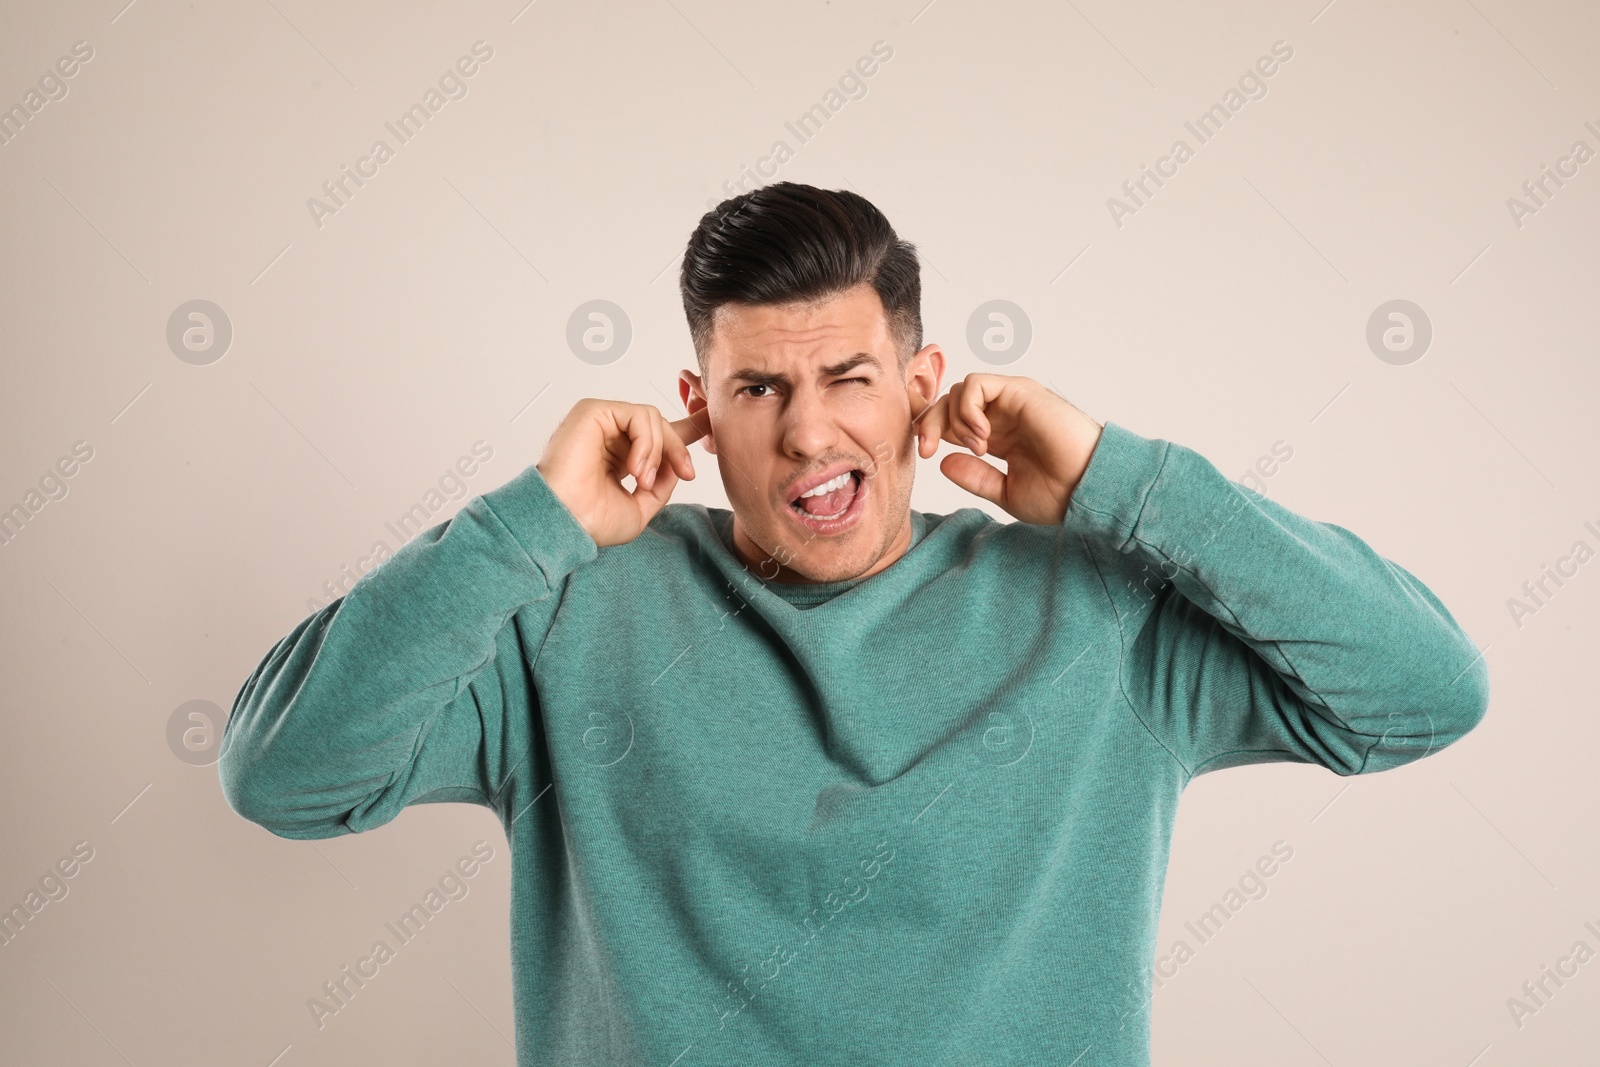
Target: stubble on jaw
point(896, 518)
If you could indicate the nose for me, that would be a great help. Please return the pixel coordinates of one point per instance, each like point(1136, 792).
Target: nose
point(809, 429)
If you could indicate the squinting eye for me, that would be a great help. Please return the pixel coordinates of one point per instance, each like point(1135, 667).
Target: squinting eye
point(863, 381)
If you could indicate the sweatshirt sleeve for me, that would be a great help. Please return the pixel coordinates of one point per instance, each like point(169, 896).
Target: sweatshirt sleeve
point(413, 686)
point(1252, 634)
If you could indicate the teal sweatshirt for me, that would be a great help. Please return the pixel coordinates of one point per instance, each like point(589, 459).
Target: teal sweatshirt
point(921, 818)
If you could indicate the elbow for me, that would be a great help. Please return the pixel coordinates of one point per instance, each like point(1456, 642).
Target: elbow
point(1465, 700)
point(1450, 688)
point(262, 760)
point(234, 771)
point(253, 791)
point(1462, 697)
point(1465, 697)
point(247, 791)
point(1446, 669)
point(269, 812)
point(1456, 709)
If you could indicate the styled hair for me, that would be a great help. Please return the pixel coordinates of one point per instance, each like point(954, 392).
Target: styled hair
point(789, 243)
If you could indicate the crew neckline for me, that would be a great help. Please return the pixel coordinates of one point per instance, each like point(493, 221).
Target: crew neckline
point(811, 594)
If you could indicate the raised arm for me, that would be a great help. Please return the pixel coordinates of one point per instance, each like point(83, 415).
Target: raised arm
point(416, 685)
point(1253, 634)
point(412, 687)
point(1250, 633)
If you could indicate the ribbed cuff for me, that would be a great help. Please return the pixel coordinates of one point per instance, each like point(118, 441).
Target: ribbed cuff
point(539, 522)
point(1111, 495)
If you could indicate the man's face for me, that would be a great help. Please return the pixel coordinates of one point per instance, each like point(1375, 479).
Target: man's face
point(807, 395)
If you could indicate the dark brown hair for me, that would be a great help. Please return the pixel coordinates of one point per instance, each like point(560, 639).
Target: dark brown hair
point(788, 243)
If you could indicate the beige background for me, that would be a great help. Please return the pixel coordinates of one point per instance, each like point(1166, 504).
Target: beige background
point(368, 354)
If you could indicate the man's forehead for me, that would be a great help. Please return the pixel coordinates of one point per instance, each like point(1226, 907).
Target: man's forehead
point(823, 329)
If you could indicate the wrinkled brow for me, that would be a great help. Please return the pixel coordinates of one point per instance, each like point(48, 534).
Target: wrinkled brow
point(832, 370)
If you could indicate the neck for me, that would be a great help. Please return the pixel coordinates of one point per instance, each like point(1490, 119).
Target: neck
point(761, 562)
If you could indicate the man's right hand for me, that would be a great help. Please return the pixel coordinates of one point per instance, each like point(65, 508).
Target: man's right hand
point(602, 441)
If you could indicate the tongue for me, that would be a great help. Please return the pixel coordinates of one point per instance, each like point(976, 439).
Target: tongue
point(829, 503)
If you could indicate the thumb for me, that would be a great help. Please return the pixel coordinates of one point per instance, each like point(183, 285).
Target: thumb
point(650, 501)
point(975, 476)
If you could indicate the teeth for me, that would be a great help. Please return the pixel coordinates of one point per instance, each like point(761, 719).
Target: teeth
point(828, 487)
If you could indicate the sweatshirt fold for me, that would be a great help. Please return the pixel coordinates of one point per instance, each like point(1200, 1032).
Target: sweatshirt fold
point(925, 819)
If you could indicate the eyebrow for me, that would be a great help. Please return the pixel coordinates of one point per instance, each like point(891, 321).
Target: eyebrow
point(832, 370)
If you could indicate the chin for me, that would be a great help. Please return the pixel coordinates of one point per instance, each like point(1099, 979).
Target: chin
point(837, 561)
point(834, 549)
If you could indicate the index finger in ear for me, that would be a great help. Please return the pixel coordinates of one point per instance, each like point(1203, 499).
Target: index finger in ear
point(677, 452)
point(930, 425)
point(693, 427)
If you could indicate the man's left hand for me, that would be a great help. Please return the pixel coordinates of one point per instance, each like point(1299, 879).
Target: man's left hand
point(1045, 441)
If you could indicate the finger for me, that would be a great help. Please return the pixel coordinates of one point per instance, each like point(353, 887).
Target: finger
point(693, 427)
point(976, 476)
point(677, 451)
point(618, 446)
point(935, 427)
point(616, 442)
point(634, 425)
point(972, 426)
point(651, 499)
point(972, 404)
point(922, 410)
point(919, 427)
point(958, 430)
point(652, 420)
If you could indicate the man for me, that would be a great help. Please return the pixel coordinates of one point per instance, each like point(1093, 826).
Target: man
point(822, 779)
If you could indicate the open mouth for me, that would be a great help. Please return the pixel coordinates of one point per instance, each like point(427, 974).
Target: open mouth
point(831, 506)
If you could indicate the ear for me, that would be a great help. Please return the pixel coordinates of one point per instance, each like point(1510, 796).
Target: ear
point(692, 392)
point(924, 373)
